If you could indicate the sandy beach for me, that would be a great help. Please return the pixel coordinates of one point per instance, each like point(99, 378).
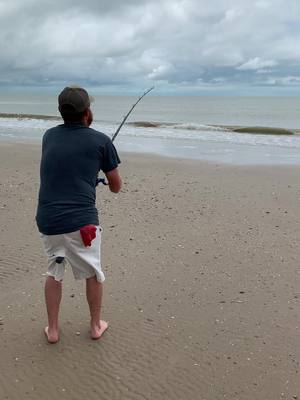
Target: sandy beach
point(202, 286)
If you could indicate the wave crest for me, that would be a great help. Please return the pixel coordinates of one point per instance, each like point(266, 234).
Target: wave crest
point(264, 130)
point(174, 125)
point(30, 116)
point(257, 130)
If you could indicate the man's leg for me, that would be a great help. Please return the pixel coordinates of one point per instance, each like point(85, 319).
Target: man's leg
point(94, 298)
point(53, 293)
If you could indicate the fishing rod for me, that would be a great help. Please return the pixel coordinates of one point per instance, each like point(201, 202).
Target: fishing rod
point(102, 180)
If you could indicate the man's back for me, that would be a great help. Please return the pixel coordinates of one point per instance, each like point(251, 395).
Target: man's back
point(72, 156)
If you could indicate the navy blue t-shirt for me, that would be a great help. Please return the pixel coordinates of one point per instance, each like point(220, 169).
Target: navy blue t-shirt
point(72, 156)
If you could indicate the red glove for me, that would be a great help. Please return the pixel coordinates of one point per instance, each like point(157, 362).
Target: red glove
point(88, 233)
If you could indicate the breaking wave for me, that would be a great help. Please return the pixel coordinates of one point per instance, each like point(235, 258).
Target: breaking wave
point(258, 130)
point(30, 116)
point(33, 126)
point(173, 125)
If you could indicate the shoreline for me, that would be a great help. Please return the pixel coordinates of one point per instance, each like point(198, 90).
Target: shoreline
point(201, 292)
point(123, 147)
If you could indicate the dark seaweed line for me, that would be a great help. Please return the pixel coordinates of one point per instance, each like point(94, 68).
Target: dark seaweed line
point(263, 130)
point(29, 116)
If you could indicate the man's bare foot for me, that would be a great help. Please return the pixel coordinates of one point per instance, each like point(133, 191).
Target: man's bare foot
point(98, 330)
point(52, 337)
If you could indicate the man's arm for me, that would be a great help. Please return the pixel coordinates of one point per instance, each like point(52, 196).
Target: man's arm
point(114, 180)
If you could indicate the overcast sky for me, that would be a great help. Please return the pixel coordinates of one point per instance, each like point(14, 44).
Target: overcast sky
point(180, 46)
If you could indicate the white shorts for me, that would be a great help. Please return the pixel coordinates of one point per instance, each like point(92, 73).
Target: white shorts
point(84, 261)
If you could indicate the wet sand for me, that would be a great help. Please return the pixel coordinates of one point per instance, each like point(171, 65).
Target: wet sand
point(202, 290)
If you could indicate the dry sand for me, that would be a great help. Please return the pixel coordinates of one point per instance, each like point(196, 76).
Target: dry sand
point(202, 290)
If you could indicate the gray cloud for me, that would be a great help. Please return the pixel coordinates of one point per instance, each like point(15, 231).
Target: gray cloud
point(180, 44)
point(257, 64)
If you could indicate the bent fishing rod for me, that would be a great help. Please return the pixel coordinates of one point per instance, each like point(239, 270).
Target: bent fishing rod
point(102, 180)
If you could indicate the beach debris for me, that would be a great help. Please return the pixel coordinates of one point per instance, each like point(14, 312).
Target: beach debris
point(77, 333)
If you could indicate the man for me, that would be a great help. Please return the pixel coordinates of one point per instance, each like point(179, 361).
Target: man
point(72, 156)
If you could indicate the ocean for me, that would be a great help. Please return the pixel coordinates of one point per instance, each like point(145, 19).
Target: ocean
point(202, 128)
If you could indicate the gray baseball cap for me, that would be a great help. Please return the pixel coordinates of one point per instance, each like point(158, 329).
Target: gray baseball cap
point(76, 97)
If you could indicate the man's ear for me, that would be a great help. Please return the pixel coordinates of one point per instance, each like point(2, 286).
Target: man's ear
point(85, 116)
point(86, 113)
point(90, 117)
